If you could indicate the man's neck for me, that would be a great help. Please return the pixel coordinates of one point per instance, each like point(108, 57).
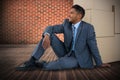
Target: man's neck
point(77, 24)
point(76, 21)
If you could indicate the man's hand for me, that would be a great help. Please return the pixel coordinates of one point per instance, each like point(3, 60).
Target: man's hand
point(105, 65)
point(46, 42)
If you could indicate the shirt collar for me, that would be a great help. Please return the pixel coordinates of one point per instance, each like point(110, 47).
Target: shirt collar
point(77, 24)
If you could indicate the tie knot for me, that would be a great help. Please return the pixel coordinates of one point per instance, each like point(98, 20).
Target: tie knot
point(73, 27)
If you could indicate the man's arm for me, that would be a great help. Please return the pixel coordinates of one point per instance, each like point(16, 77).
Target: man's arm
point(55, 29)
point(92, 43)
point(49, 31)
point(91, 40)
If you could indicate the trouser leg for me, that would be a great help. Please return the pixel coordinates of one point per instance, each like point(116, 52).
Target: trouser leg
point(62, 63)
point(38, 51)
point(56, 44)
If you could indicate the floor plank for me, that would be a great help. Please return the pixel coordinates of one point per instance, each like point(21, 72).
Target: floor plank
point(12, 56)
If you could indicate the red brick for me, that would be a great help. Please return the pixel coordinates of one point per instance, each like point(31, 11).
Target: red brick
point(23, 21)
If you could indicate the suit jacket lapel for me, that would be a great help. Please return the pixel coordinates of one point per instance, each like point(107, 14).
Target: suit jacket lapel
point(79, 30)
point(70, 33)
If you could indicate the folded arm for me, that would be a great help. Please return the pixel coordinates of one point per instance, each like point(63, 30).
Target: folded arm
point(56, 28)
point(51, 30)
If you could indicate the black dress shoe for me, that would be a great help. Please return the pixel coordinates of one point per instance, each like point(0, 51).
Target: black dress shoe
point(28, 65)
point(40, 64)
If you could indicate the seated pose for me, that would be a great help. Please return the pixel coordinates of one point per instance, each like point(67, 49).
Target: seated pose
point(79, 49)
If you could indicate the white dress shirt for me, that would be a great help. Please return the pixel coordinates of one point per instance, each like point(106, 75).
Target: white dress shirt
point(74, 26)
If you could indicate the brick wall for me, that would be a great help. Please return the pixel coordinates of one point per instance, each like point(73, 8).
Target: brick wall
point(23, 21)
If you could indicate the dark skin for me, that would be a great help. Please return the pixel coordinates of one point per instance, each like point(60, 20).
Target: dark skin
point(73, 17)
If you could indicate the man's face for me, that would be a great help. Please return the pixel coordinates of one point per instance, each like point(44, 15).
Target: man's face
point(74, 16)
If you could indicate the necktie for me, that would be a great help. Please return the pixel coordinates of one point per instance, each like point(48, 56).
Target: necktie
point(73, 39)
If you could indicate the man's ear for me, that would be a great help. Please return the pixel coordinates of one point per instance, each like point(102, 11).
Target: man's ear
point(80, 16)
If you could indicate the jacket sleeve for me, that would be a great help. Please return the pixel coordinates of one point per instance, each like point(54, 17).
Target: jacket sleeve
point(55, 29)
point(92, 43)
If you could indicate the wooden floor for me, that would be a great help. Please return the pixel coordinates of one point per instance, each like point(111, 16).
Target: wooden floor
point(12, 56)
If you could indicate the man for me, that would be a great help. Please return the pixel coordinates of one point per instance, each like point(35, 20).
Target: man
point(78, 49)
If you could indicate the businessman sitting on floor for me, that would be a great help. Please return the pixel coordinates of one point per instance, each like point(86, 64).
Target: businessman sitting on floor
point(79, 48)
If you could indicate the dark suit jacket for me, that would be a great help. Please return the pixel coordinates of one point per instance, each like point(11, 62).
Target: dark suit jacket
point(86, 49)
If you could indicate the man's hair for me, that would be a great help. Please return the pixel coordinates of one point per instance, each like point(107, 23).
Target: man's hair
point(79, 9)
